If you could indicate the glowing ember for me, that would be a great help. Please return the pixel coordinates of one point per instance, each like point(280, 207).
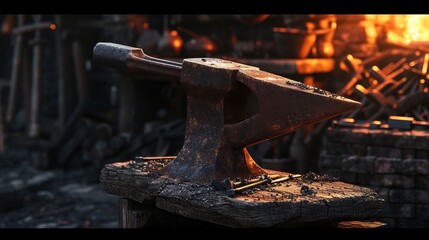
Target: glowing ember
point(177, 43)
point(173, 33)
point(52, 26)
point(210, 47)
point(146, 25)
point(376, 122)
point(348, 120)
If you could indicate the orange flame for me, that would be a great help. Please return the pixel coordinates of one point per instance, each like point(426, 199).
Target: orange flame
point(405, 29)
point(416, 28)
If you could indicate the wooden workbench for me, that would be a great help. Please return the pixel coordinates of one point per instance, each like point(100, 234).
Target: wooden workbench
point(281, 205)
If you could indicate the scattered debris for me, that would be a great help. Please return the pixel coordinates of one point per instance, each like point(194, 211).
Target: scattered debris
point(305, 190)
point(149, 164)
point(32, 198)
point(314, 177)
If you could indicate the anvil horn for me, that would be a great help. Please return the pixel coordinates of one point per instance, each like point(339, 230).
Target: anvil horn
point(284, 106)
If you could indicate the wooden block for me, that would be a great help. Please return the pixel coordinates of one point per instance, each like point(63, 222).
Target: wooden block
point(270, 205)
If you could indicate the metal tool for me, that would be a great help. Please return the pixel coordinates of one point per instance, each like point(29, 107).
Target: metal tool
point(227, 183)
point(217, 128)
point(265, 179)
point(233, 191)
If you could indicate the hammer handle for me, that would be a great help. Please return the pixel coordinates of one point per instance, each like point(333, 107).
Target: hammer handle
point(132, 59)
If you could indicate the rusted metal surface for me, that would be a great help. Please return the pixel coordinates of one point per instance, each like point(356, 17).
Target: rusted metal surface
point(133, 59)
point(217, 128)
point(286, 66)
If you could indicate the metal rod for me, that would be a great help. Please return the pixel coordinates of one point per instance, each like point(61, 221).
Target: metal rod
point(36, 81)
point(286, 178)
point(32, 27)
point(11, 104)
point(425, 63)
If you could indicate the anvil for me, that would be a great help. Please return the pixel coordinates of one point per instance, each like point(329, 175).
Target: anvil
point(217, 128)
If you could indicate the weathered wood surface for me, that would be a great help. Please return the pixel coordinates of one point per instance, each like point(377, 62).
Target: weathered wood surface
point(281, 205)
point(132, 214)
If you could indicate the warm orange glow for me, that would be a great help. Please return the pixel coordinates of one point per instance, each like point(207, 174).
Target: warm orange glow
point(174, 33)
point(361, 88)
point(375, 68)
point(177, 43)
point(348, 120)
point(422, 81)
point(416, 28)
point(210, 47)
point(367, 75)
point(406, 29)
point(146, 25)
point(52, 26)
point(350, 57)
point(376, 122)
point(375, 82)
point(401, 118)
point(425, 90)
point(425, 63)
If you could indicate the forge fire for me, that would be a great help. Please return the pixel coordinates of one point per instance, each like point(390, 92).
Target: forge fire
point(218, 121)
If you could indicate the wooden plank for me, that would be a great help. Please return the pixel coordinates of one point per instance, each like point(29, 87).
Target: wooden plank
point(132, 214)
point(284, 203)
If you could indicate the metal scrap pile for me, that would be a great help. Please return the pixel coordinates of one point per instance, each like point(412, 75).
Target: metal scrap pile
point(392, 83)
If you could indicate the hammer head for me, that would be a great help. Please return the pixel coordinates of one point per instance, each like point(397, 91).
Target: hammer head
point(116, 55)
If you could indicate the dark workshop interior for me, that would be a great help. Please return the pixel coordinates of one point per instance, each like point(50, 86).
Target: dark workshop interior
point(214, 121)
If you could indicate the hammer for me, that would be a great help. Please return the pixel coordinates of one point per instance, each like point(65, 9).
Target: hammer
point(217, 128)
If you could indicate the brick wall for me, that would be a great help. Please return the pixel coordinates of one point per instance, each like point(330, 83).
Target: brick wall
point(394, 163)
